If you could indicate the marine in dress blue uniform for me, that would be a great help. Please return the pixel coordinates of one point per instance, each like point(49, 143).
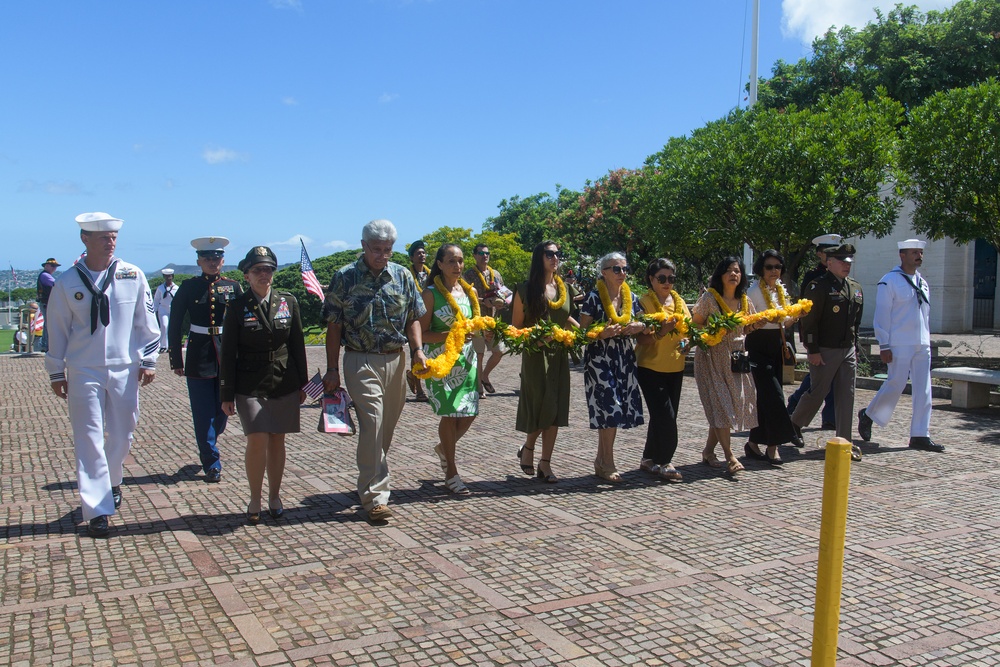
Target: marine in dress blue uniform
point(203, 300)
point(102, 346)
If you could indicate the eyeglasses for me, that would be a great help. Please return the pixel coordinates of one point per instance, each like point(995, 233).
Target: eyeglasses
point(618, 269)
point(484, 253)
point(666, 279)
point(262, 269)
point(553, 254)
point(773, 267)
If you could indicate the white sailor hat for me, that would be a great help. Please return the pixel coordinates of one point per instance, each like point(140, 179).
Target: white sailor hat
point(98, 222)
point(167, 272)
point(911, 243)
point(827, 240)
point(210, 246)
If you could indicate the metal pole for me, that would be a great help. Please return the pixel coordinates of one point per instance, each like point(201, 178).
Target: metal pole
point(754, 39)
point(830, 568)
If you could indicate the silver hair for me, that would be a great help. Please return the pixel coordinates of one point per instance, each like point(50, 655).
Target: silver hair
point(379, 230)
point(610, 257)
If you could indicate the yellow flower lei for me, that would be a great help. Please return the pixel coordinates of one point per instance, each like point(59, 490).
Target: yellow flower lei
point(482, 280)
point(561, 298)
point(681, 327)
point(609, 307)
point(441, 365)
point(744, 305)
point(782, 295)
point(423, 269)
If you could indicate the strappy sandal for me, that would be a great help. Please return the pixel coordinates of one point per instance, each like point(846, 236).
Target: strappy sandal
point(733, 466)
point(711, 460)
point(609, 473)
point(457, 486)
point(439, 450)
point(527, 469)
point(547, 478)
point(647, 465)
point(669, 473)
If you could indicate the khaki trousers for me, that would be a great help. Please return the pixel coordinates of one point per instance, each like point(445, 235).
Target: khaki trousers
point(839, 369)
point(377, 385)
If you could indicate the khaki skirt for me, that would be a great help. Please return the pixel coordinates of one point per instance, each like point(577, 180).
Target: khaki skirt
point(260, 414)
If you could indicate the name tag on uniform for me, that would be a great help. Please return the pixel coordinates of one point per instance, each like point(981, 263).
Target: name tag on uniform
point(126, 274)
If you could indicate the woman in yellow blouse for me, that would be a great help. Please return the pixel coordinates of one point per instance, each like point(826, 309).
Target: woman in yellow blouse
point(660, 357)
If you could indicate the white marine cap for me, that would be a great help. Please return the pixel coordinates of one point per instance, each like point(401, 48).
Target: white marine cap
point(210, 245)
point(98, 222)
point(911, 243)
point(167, 272)
point(825, 240)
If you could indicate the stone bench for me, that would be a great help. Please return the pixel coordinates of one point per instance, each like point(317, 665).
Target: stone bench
point(970, 387)
point(872, 343)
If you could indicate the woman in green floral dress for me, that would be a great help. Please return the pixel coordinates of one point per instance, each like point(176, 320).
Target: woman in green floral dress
point(453, 397)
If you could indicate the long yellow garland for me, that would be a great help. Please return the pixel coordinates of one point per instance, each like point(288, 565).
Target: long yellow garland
point(561, 298)
point(423, 269)
point(681, 327)
point(441, 365)
point(609, 308)
point(486, 286)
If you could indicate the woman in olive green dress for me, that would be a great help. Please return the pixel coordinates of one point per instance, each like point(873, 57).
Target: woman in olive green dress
point(453, 397)
point(543, 404)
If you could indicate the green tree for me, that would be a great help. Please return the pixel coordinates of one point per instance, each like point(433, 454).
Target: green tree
point(951, 157)
point(531, 219)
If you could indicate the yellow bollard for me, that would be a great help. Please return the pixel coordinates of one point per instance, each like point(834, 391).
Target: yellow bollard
point(830, 569)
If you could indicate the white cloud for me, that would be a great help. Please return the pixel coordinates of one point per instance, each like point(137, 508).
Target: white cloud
point(287, 4)
point(337, 245)
point(51, 187)
point(294, 240)
point(808, 19)
point(220, 155)
point(289, 101)
point(385, 98)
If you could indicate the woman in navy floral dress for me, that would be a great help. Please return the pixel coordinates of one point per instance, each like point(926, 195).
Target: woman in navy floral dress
point(613, 397)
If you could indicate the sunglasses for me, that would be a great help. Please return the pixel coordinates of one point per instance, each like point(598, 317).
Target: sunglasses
point(666, 279)
point(618, 269)
point(773, 267)
point(262, 269)
point(484, 253)
point(553, 254)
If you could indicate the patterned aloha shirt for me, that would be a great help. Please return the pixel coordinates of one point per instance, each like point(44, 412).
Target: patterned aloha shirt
point(374, 310)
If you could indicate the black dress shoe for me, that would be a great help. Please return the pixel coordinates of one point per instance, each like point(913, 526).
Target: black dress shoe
point(751, 454)
point(797, 438)
point(865, 425)
point(213, 475)
point(98, 527)
point(116, 494)
point(276, 511)
point(926, 444)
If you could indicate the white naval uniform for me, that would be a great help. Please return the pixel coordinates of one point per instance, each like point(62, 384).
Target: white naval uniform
point(902, 325)
point(101, 370)
point(161, 305)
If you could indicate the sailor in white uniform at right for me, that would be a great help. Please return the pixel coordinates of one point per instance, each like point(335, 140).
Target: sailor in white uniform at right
point(103, 338)
point(902, 327)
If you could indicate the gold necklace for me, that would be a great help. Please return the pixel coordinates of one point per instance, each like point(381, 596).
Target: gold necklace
point(561, 298)
point(452, 303)
point(744, 307)
point(609, 308)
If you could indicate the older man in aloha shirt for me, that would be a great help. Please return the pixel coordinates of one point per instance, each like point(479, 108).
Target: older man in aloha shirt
point(374, 312)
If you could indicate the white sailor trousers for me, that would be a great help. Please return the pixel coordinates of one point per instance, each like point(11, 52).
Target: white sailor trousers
point(103, 411)
point(913, 361)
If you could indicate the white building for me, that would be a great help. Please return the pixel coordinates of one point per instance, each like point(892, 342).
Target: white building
point(963, 278)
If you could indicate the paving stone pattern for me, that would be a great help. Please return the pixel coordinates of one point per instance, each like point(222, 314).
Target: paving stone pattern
point(711, 571)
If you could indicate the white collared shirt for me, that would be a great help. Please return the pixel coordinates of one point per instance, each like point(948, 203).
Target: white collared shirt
point(901, 317)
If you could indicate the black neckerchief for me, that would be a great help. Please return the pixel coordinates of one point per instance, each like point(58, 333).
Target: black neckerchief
point(101, 305)
point(921, 297)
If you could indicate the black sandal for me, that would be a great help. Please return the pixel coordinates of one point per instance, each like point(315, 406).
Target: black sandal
point(527, 469)
point(549, 478)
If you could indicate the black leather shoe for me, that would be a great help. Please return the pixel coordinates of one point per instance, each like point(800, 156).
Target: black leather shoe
point(926, 444)
point(797, 438)
point(116, 494)
point(864, 425)
point(276, 511)
point(98, 527)
point(751, 454)
point(213, 475)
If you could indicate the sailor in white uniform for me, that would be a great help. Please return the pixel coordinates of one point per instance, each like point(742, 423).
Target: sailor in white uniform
point(103, 339)
point(902, 327)
point(162, 299)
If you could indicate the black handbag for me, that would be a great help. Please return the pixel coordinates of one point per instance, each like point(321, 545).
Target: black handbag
point(739, 362)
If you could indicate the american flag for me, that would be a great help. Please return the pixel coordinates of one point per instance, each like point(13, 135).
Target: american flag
point(38, 323)
point(13, 275)
point(309, 276)
point(314, 388)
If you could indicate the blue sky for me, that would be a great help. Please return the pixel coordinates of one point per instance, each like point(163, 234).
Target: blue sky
point(266, 120)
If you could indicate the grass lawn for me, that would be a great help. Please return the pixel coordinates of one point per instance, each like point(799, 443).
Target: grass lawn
point(6, 338)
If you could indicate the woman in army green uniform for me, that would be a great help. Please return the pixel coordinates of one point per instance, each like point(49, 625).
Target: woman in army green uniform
point(263, 370)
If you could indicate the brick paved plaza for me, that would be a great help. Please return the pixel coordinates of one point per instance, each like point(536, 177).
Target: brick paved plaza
point(711, 571)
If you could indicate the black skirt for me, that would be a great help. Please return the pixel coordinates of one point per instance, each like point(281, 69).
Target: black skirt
point(775, 426)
